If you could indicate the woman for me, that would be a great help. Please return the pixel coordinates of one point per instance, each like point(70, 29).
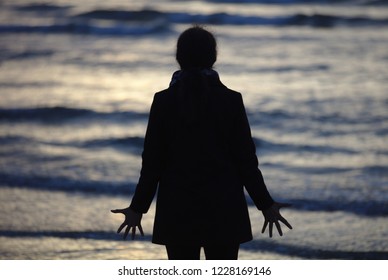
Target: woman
point(198, 156)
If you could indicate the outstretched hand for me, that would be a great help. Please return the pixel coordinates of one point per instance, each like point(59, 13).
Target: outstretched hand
point(132, 220)
point(272, 216)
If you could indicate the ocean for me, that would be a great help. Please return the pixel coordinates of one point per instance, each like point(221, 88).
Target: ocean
point(77, 80)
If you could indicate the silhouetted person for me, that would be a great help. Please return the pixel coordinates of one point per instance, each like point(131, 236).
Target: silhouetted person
point(198, 157)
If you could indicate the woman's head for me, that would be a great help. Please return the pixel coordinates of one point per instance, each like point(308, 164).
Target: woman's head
point(196, 48)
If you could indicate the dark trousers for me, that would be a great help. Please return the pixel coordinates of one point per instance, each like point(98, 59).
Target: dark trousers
point(212, 252)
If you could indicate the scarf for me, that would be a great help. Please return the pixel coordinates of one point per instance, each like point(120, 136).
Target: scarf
point(177, 76)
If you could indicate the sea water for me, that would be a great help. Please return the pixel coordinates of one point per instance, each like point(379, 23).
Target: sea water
point(77, 81)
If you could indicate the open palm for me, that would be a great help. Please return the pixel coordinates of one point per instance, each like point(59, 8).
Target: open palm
point(132, 220)
point(272, 216)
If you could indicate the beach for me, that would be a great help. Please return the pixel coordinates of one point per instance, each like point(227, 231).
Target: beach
point(79, 226)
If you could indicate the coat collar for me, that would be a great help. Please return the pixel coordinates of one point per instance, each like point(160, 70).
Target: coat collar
point(211, 75)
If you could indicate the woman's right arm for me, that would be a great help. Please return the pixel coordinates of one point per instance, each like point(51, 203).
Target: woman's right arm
point(152, 159)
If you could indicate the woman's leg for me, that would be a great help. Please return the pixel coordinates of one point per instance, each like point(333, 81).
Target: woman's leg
point(222, 251)
point(183, 252)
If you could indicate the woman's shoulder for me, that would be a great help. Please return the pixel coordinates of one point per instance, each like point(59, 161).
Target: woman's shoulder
point(162, 95)
point(229, 95)
point(232, 93)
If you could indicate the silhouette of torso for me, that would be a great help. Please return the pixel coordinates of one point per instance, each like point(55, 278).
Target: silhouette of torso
point(201, 168)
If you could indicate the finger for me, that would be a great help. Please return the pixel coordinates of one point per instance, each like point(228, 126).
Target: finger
point(133, 232)
point(121, 228)
point(141, 230)
point(117, 211)
point(264, 226)
point(284, 221)
point(126, 232)
point(279, 228)
point(270, 229)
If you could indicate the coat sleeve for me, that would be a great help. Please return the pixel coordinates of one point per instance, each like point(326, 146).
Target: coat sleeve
point(152, 160)
point(244, 154)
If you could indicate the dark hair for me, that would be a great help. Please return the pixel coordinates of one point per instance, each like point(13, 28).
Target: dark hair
point(196, 48)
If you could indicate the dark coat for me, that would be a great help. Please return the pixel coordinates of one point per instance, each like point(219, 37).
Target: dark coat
point(199, 171)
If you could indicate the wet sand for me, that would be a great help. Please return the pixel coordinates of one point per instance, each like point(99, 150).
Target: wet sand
point(40, 224)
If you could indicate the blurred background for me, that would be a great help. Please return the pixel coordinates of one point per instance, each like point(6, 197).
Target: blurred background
point(76, 82)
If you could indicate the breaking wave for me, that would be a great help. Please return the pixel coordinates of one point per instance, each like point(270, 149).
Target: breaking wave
point(148, 21)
